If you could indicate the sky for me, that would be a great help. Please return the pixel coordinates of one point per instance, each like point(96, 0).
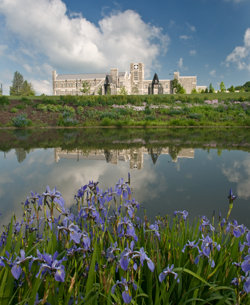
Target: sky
point(206, 38)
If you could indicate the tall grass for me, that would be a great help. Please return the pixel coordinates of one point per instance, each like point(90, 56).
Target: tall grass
point(107, 255)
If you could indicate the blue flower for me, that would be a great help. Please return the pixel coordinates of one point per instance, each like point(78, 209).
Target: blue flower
point(231, 196)
point(167, 271)
point(184, 214)
point(126, 294)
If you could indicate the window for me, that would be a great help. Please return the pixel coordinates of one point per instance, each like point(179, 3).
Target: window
point(167, 86)
point(62, 85)
point(136, 75)
point(121, 84)
point(65, 85)
point(146, 86)
point(56, 85)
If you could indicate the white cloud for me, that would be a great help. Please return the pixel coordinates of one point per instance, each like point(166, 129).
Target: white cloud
point(74, 43)
point(180, 64)
point(213, 73)
point(3, 47)
point(185, 37)
point(241, 54)
point(192, 52)
point(191, 27)
point(42, 86)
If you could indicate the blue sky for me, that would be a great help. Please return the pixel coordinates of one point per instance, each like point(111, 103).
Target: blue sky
point(207, 38)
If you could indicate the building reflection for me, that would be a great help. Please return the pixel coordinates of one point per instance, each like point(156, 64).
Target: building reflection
point(133, 155)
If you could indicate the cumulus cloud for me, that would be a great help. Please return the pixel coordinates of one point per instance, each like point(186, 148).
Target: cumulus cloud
point(2, 49)
point(241, 54)
point(191, 27)
point(192, 52)
point(72, 43)
point(239, 172)
point(180, 64)
point(185, 37)
point(213, 73)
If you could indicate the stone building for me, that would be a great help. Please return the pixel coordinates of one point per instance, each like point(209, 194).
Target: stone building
point(112, 82)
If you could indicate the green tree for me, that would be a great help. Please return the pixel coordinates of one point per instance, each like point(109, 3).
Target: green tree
point(123, 91)
point(27, 89)
point(211, 88)
point(206, 90)
point(194, 91)
point(85, 88)
point(231, 89)
point(177, 87)
point(17, 84)
point(99, 92)
point(222, 87)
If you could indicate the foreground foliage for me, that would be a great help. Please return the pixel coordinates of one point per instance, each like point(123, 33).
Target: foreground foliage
point(100, 256)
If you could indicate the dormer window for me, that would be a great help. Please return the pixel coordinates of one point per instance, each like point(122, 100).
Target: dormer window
point(136, 66)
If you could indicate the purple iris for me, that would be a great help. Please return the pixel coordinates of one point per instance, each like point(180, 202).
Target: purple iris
point(246, 286)
point(184, 214)
point(204, 222)
point(167, 271)
point(238, 230)
point(126, 294)
point(191, 245)
point(122, 189)
point(231, 196)
point(51, 265)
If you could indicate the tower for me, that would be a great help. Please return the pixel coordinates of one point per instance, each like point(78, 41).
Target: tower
point(136, 78)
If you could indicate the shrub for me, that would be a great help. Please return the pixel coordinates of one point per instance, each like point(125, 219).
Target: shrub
point(69, 109)
point(66, 119)
point(21, 121)
point(41, 107)
point(196, 116)
point(109, 115)
point(242, 98)
point(79, 110)
point(4, 100)
point(149, 118)
point(20, 106)
point(106, 121)
point(13, 110)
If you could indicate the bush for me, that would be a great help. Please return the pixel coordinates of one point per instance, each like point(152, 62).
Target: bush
point(41, 107)
point(196, 116)
point(21, 121)
point(4, 100)
point(66, 119)
point(109, 115)
point(106, 121)
point(13, 110)
point(150, 118)
point(79, 110)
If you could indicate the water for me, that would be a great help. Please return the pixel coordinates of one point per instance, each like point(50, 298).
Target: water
point(170, 169)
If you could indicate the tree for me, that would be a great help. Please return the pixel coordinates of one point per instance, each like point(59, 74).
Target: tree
point(27, 89)
point(231, 89)
point(20, 87)
point(123, 91)
point(177, 87)
point(17, 84)
point(222, 87)
point(194, 91)
point(211, 88)
point(85, 88)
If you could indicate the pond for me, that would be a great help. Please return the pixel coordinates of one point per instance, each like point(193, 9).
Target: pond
point(171, 169)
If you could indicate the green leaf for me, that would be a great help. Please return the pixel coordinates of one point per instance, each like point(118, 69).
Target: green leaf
point(91, 274)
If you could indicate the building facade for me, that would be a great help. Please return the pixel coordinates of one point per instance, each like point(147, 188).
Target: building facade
point(112, 82)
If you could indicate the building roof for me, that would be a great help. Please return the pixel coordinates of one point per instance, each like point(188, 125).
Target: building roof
point(63, 77)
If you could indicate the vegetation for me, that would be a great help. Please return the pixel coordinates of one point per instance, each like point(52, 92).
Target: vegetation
point(85, 88)
point(20, 87)
point(245, 87)
point(100, 256)
point(224, 109)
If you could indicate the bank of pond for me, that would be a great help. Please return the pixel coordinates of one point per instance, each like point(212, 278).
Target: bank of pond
point(221, 109)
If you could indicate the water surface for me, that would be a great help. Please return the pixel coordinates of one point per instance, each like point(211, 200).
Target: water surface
point(170, 169)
